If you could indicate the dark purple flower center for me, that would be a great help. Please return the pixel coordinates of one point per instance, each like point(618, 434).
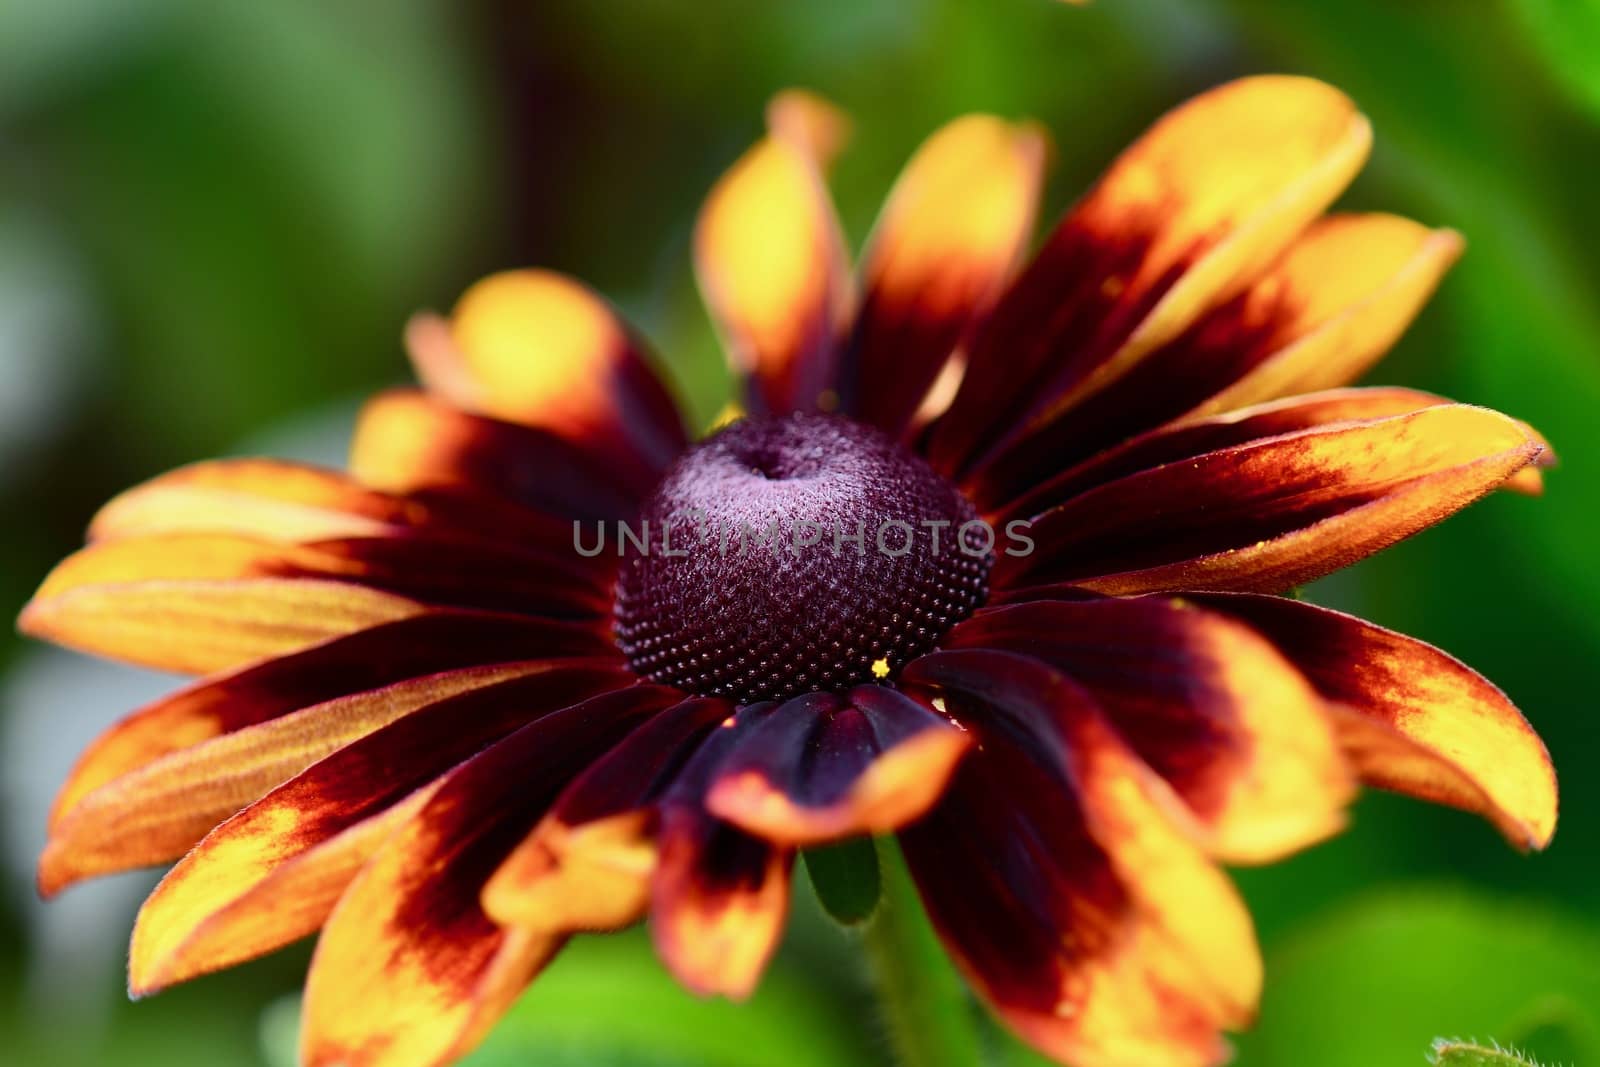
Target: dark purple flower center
point(787, 555)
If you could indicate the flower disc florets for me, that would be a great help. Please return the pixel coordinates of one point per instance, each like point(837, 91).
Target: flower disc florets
point(787, 555)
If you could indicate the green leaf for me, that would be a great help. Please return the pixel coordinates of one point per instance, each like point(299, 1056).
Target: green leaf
point(1450, 1053)
point(258, 254)
point(846, 879)
point(1567, 34)
point(607, 1002)
point(1370, 981)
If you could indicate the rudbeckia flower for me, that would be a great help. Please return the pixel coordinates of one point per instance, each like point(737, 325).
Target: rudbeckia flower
point(438, 725)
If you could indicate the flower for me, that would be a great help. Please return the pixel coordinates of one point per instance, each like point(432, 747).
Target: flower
point(438, 727)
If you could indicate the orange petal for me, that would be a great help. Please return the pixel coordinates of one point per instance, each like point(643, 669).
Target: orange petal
point(949, 236)
point(368, 659)
point(1185, 218)
point(593, 875)
point(587, 865)
point(406, 441)
point(403, 571)
point(718, 896)
point(1202, 929)
point(409, 970)
point(1276, 513)
point(1529, 481)
point(1337, 300)
point(825, 767)
point(196, 603)
point(442, 568)
point(445, 570)
point(772, 263)
point(212, 911)
point(168, 557)
point(1319, 317)
point(261, 497)
point(898, 787)
point(1417, 720)
point(1211, 706)
point(1192, 438)
point(718, 903)
point(810, 123)
point(537, 348)
point(1061, 877)
point(158, 812)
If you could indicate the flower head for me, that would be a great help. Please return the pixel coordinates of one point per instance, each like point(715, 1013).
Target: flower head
point(441, 728)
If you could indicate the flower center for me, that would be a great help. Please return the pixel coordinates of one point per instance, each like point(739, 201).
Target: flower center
point(786, 555)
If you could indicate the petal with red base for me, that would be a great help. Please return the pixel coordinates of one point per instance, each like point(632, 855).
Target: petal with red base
point(1275, 513)
point(1326, 311)
point(537, 348)
point(1335, 303)
point(450, 571)
point(199, 920)
point(423, 568)
point(298, 504)
point(772, 263)
point(370, 659)
point(1418, 721)
point(587, 865)
point(718, 902)
point(949, 236)
point(718, 896)
point(825, 766)
point(409, 970)
point(154, 814)
point(197, 603)
point(1056, 876)
point(406, 441)
point(259, 497)
point(1186, 217)
point(1213, 708)
point(1193, 438)
point(381, 768)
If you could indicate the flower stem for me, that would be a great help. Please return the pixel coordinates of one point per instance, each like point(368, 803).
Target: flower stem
point(929, 1016)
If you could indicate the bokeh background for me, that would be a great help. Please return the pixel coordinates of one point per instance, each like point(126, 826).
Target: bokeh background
point(215, 216)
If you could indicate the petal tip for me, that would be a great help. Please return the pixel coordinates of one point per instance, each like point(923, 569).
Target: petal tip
point(810, 121)
point(53, 872)
point(32, 619)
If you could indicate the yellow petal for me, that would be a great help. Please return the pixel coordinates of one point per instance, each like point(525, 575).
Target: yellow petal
point(261, 497)
point(898, 786)
point(1188, 216)
point(950, 235)
point(538, 348)
point(216, 909)
point(1223, 184)
point(156, 813)
point(1415, 719)
point(1337, 300)
point(772, 263)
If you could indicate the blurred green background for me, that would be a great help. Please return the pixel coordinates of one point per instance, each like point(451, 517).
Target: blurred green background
point(214, 218)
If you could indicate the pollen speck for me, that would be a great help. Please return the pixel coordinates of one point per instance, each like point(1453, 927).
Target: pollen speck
point(880, 668)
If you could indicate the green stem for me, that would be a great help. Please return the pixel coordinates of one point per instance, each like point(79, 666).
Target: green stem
point(929, 1017)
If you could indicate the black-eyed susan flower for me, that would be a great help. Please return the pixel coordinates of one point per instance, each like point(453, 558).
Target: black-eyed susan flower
point(437, 723)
